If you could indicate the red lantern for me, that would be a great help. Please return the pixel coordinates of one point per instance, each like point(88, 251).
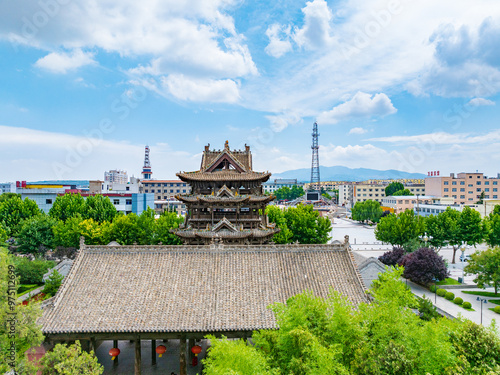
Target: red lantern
point(161, 349)
point(114, 353)
point(196, 350)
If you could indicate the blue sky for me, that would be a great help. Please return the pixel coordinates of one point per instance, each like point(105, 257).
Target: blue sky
point(395, 84)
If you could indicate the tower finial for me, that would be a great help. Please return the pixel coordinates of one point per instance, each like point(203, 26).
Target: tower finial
point(226, 145)
point(146, 169)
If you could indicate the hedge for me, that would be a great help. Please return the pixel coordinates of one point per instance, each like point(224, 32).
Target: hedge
point(441, 292)
point(497, 309)
point(467, 305)
point(458, 301)
point(449, 296)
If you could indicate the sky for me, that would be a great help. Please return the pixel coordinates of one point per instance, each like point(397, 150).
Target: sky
point(412, 85)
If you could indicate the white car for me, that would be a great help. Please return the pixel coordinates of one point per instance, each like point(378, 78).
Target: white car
point(464, 258)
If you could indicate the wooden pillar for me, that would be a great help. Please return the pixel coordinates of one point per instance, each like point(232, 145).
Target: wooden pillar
point(182, 357)
point(85, 345)
point(153, 352)
point(137, 356)
point(93, 344)
point(190, 353)
point(115, 345)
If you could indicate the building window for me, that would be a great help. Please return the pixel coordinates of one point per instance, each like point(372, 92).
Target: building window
point(495, 182)
point(127, 188)
point(487, 197)
point(470, 199)
point(177, 191)
point(446, 196)
point(146, 191)
point(462, 189)
point(487, 189)
point(462, 182)
point(494, 197)
point(116, 201)
point(495, 189)
point(445, 189)
point(479, 183)
point(478, 189)
point(462, 196)
point(158, 184)
point(446, 182)
point(486, 182)
point(454, 189)
point(469, 192)
point(453, 182)
point(48, 201)
point(454, 196)
point(159, 196)
point(128, 201)
point(152, 190)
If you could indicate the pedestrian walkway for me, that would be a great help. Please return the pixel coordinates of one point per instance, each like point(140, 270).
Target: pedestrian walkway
point(456, 310)
point(26, 296)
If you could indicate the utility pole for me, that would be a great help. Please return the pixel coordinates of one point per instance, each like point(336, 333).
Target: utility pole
point(315, 178)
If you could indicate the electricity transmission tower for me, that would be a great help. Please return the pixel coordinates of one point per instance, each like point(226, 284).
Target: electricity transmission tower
point(315, 179)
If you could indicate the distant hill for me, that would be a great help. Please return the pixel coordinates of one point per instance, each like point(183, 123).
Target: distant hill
point(338, 173)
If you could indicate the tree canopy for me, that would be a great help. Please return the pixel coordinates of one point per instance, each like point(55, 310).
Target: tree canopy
point(393, 187)
point(329, 336)
point(301, 223)
point(367, 211)
point(15, 210)
point(289, 194)
point(402, 192)
point(67, 206)
point(401, 229)
point(486, 266)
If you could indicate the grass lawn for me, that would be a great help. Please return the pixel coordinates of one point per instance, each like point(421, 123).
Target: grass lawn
point(448, 281)
point(495, 301)
point(492, 309)
point(484, 294)
point(471, 309)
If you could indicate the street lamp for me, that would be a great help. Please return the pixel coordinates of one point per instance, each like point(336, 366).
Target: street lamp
point(462, 249)
point(482, 300)
point(426, 238)
point(435, 290)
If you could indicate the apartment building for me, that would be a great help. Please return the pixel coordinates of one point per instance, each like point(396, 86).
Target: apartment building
point(271, 187)
point(363, 192)
point(164, 189)
point(464, 188)
point(401, 203)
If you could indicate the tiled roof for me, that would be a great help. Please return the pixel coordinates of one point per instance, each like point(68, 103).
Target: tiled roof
point(225, 175)
point(193, 288)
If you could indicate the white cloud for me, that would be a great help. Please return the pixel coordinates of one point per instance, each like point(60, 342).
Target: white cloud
point(281, 122)
point(61, 62)
point(29, 154)
point(357, 131)
point(442, 138)
point(277, 47)
point(202, 90)
point(362, 105)
point(355, 156)
point(477, 102)
point(317, 27)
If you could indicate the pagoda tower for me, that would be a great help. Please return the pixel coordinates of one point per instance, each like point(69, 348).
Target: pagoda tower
point(226, 203)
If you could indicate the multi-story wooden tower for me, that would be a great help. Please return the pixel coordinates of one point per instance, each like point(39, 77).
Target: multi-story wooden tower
point(226, 200)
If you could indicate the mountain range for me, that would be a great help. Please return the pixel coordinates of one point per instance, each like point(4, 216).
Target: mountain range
point(339, 173)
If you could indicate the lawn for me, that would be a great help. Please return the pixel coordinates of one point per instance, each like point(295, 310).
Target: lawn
point(495, 301)
point(25, 288)
point(448, 281)
point(483, 294)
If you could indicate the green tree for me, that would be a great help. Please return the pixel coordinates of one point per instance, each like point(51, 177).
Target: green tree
point(492, 227)
point(124, 229)
point(368, 210)
point(163, 226)
point(401, 229)
point(146, 227)
point(277, 216)
point(53, 283)
point(234, 357)
point(31, 271)
point(19, 330)
point(67, 206)
point(402, 192)
point(36, 235)
point(6, 196)
point(470, 226)
point(14, 210)
point(486, 266)
point(4, 233)
point(70, 360)
point(393, 187)
point(99, 209)
point(306, 225)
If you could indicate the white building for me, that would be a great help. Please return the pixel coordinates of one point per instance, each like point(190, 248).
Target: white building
point(7, 187)
point(271, 187)
point(116, 176)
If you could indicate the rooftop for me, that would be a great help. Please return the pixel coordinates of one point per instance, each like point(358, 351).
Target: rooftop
point(213, 288)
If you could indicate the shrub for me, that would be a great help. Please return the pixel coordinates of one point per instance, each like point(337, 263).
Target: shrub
point(424, 265)
point(467, 305)
point(449, 296)
point(32, 271)
point(441, 292)
point(23, 288)
point(392, 257)
point(458, 301)
point(497, 309)
point(426, 309)
point(433, 288)
point(53, 283)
